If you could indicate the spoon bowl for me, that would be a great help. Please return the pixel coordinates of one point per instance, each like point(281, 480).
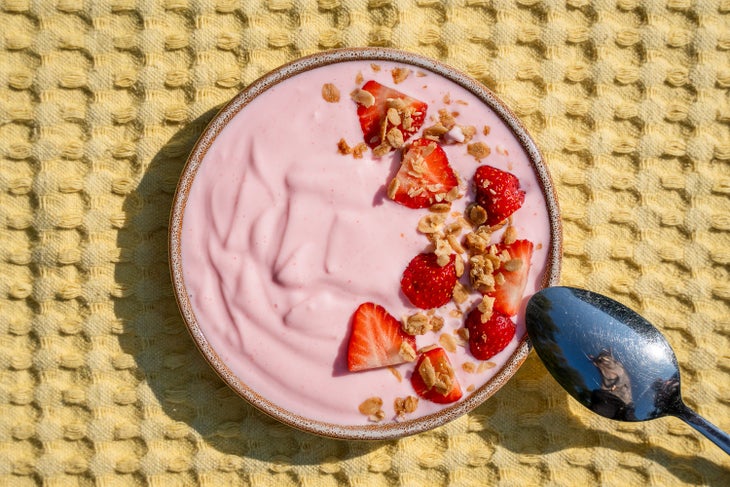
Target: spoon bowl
point(609, 358)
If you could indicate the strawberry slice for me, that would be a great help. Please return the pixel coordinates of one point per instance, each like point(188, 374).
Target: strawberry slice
point(375, 121)
point(376, 340)
point(434, 377)
point(425, 176)
point(488, 339)
point(498, 192)
point(509, 288)
point(427, 284)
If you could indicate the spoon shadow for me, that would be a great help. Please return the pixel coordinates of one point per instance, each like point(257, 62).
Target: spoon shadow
point(533, 418)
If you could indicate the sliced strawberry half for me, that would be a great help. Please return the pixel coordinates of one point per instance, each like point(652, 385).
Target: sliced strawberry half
point(434, 377)
point(427, 284)
point(374, 119)
point(509, 288)
point(377, 340)
point(498, 192)
point(491, 337)
point(425, 176)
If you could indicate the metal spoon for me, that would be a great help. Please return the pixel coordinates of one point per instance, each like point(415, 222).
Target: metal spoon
point(609, 358)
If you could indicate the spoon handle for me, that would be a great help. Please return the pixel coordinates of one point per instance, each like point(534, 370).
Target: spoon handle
point(712, 432)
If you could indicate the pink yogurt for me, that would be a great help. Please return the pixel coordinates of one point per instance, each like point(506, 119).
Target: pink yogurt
point(283, 238)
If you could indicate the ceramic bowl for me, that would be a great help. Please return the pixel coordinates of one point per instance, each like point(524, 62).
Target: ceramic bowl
point(223, 313)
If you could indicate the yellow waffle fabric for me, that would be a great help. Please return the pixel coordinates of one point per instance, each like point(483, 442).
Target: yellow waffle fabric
point(100, 103)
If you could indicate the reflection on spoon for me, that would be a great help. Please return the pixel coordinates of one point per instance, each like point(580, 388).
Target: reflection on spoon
point(609, 358)
point(614, 398)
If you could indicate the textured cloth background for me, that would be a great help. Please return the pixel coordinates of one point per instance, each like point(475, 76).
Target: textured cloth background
point(100, 102)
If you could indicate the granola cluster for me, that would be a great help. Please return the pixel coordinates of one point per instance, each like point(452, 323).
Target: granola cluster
point(372, 407)
point(466, 237)
point(439, 380)
point(414, 164)
point(398, 114)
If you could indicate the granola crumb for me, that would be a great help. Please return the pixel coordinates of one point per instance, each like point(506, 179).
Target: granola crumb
point(396, 373)
point(371, 406)
point(443, 251)
point(440, 208)
point(485, 366)
point(426, 349)
point(447, 98)
point(448, 342)
point(431, 223)
point(478, 150)
point(459, 266)
point(499, 225)
point(486, 130)
point(476, 214)
point(499, 278)
point(453, 194)
point(405, 405)
point(455, 313)
point(400, 74)
point(393, 188)
point(393, 116)
point(460, 293)
point(363, 97)
point(407, 352)
point(359, 150)
point(513, 265)
point(470, 388)
point(375, 67)
point(343, 147)
point(510, 235)
point(395, 138)
point(453, 228)
point(330, 93)
point(469, 367)
point(427, 373)
point(382, 149)
point(436, 130)
point(416, 324)
point(463, 333)
point(359, 78)
point(446, 119)
point(485, 307)
point(420, 74)
point(469, 131)
point(455, 244)
point(437, 323)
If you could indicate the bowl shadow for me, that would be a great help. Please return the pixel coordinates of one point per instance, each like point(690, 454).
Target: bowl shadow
point(167, 360)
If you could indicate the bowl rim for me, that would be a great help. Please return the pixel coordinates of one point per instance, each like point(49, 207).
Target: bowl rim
point(374, 431)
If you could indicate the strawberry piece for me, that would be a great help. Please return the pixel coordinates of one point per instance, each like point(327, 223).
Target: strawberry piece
point(507, 293)
point(498, 192)
point(376, 339)
point(374, 120)
point(488, 339)
point(425, 176)
point(434, 377)
point(427, 284)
